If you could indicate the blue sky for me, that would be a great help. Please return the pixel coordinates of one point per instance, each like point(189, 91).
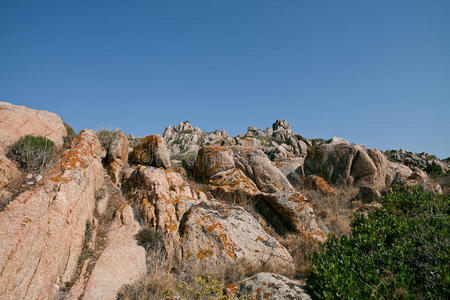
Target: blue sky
point(374, 72)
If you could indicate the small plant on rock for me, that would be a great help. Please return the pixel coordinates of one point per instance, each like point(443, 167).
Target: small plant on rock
point(32, 153)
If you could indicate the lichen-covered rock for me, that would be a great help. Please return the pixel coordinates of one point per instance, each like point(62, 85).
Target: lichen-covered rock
point(117, 157)
point(290, 212)
point(42, 230)
point(17, 121)
point(162, 196)
point(234, 181)
point(268, 286)
point(152, 151)
point(319, 184)
point(214, 234)
point(121, 262)
point(341, 162)
point(212, 160)
point(257, 166)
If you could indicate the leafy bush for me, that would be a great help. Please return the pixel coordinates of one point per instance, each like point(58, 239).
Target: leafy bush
point(401, 251)
point(32, 152)
point(434, 169)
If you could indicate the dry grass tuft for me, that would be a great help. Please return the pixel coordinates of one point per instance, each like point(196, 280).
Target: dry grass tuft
point(333, 212)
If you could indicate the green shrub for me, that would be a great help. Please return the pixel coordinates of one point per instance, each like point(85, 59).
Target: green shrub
point(401, 251)
point(70, 135)
point(434, 169)
point(32, 152)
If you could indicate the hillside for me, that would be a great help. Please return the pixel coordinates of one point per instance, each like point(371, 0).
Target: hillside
point(202, 215)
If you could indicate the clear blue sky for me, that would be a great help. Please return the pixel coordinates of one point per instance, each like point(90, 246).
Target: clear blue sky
point(373, 72)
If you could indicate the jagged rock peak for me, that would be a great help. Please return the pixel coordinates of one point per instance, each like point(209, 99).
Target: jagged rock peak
point(281, 124)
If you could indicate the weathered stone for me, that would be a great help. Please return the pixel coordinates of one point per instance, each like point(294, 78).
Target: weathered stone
point(367, 195)
point(152, 151)
point(162, 196)
point(17, 121)
point(42, 230)
point(268, 286)
point(122, 262)
point(118, 150)
point(341, 162)
point(234, 181)
point(214, 234)
point(257, 166)
point(212, 160)
point(290, 212)
point(118, 157)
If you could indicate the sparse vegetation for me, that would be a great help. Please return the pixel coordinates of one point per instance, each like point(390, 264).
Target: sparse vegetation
point(105, 137)
point(70, 135)
point(399, 252)
point(32, 153)
point(149, 238)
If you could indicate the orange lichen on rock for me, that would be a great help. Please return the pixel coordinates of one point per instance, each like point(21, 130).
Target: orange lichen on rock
point(204, 253)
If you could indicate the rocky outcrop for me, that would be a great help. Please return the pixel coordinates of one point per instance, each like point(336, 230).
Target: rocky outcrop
point(117, 156)
point(42, 230)
point(214, 234)
point(343, 163)
point(215, 164)
point(268, 286)
point(290, 212)
point(121, 262)
point(417, 178)
point(423, 161)
point(152, 151)
point(162, 197)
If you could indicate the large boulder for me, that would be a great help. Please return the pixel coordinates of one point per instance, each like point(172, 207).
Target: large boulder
point(290, 212)
point(214, 234)
point(17, 121)
point(268, 286)
point(212, 160)
point(152, 150)
point(258, 167)
point(42, 230)
point(343, 163)
point(121, 262)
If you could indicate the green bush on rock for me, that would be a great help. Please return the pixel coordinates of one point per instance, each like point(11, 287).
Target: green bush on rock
point(401, 251)
point(31, 152)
